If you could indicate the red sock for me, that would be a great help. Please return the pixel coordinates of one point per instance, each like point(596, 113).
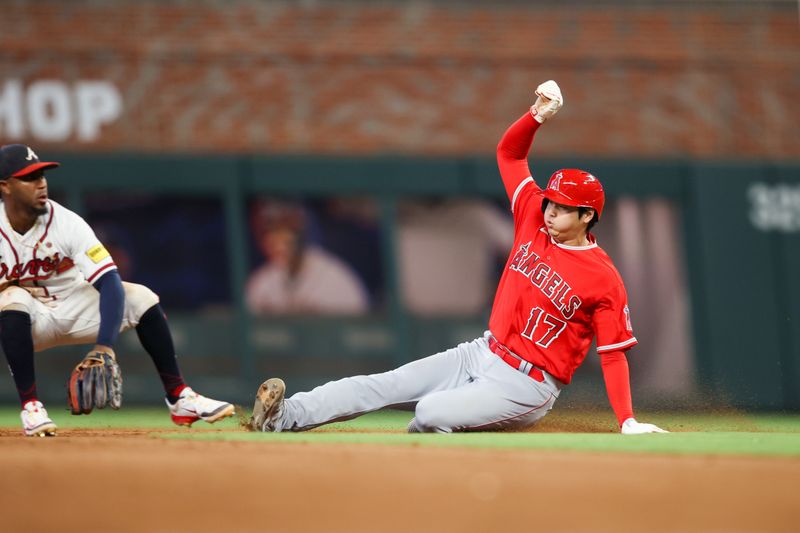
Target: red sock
point(31, 399)
point(175, 394)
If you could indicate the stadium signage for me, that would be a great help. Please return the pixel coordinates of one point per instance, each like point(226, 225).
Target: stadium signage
point(56, 111)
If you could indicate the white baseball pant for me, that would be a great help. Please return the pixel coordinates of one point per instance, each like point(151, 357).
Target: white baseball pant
point(76, 318)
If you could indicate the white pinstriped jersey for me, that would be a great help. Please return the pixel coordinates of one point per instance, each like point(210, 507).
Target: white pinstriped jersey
point(58, 254)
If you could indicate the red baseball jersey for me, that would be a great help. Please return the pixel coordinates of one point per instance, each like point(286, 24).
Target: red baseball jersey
point(552, 299)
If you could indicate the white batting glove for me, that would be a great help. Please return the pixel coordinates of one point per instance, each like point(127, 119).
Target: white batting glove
point(632, 427)
point(548, 101)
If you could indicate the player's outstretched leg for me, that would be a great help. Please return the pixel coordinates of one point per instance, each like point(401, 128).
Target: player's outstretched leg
point(192, 407)
point(35, 420)
point(353, 396)
point(268, 405)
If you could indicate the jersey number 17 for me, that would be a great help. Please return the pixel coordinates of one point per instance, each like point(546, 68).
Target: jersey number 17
point(543, 328)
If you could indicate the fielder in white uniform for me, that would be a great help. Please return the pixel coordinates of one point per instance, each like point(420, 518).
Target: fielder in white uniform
point(59, 285)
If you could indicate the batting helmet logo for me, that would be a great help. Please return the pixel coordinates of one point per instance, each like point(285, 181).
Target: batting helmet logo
point(555, 181)
point(578, 188)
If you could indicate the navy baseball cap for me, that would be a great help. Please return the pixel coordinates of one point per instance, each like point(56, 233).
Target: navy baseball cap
point(18, 160)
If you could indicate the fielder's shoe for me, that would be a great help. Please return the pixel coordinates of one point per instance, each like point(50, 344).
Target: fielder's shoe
point(269, 401)
point(35, 422)
point(192, 407)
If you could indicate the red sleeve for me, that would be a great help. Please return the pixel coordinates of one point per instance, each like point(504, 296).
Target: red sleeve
point(612, 321)
point(512, 155)
point(618, 384)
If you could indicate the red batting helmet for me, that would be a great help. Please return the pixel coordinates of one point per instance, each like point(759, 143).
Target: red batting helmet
point(578, 188)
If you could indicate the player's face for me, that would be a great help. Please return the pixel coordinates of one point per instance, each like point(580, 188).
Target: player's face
point(28, 192)
point(565, 224)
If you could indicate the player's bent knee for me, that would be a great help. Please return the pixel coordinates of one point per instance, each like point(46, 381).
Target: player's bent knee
point(429, 418)
point(138, 298)
point(16, 299)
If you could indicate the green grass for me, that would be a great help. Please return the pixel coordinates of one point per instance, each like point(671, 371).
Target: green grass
point(693, 433)
point(725, 443)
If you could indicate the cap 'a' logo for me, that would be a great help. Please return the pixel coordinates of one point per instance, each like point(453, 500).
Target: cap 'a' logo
point(31, 154)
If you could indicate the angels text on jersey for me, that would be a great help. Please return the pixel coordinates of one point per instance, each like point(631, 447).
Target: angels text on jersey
point(546, 279)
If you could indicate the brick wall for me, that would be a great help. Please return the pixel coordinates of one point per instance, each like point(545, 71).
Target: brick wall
point(415, 77)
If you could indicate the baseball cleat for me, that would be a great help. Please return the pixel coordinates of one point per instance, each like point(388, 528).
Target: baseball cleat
point(35, 421)
point(192, 407)
point(269, 400)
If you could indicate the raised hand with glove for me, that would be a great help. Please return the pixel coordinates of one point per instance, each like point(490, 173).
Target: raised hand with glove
point(95, 382)
point(548, 101)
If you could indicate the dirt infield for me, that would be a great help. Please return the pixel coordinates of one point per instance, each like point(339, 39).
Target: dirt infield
point(129, 480)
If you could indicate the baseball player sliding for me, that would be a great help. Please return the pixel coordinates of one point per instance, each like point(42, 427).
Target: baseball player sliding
point(59, 285)
point(558, 291)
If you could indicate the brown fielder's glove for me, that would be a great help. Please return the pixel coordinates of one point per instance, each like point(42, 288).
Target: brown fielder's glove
point(95, 382)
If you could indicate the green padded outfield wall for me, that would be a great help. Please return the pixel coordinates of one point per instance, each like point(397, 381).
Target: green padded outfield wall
point(742, 236)
point(743, 233)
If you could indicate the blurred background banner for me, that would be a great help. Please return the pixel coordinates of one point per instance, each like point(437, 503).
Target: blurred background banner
point(311, 186)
